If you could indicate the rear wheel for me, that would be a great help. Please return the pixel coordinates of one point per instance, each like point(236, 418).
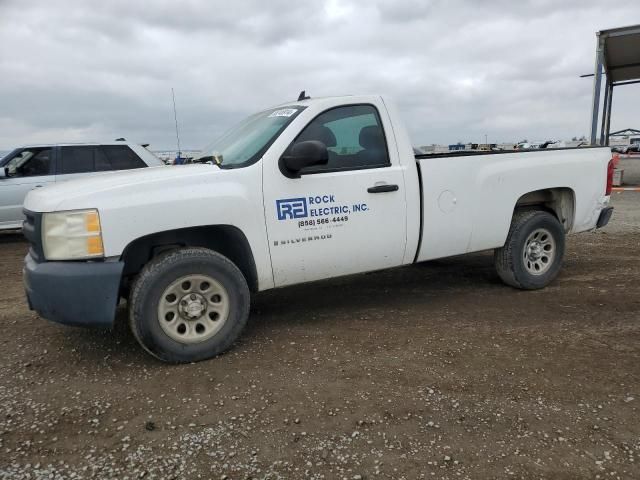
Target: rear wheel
point(532, 255)
point(188, 305)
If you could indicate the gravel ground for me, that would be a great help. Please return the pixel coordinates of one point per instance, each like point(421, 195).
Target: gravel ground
point(429, 371)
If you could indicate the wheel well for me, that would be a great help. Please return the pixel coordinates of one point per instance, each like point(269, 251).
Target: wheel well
point(224, 239)
point(559, 201)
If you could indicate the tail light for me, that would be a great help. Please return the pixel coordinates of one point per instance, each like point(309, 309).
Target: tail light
point(610, 169)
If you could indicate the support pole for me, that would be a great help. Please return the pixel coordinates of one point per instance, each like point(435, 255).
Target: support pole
point(605, 110)
point(597, 79)
point(608, 126)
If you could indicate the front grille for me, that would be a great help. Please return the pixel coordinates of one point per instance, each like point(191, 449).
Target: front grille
point(32, 231)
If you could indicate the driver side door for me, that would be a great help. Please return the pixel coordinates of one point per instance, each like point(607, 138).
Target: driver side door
point(343, 217)
point(27, 169)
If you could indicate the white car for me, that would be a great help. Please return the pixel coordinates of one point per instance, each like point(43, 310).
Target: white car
point(35, 166)
point(308, 190)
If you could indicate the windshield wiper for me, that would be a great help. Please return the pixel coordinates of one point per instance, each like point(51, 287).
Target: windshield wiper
point(215, 159)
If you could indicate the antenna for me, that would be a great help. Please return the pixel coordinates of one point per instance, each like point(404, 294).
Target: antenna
point(175, 116)
point(303, 96)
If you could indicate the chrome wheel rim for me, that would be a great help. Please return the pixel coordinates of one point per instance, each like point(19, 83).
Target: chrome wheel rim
point(193, 309)
point(539, 251)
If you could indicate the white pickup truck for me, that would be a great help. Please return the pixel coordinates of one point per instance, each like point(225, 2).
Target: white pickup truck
point(308, 190)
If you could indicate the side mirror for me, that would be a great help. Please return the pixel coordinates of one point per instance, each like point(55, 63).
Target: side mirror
point(3, 172)
point(302, 155)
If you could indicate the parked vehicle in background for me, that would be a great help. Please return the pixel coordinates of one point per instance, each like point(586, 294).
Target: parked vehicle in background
point(626, 149)
point(312, 189)
point(539, 145)
point(32, 167)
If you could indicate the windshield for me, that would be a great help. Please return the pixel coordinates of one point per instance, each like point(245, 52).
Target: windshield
point(245, 143)
point(6, 158)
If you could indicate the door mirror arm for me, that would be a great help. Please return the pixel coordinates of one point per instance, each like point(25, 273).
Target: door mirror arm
point(302, 155)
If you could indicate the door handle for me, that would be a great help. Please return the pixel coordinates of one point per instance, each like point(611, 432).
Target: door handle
point(383, 188)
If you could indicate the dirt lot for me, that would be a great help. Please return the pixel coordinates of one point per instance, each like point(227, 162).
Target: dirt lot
point(431, 371)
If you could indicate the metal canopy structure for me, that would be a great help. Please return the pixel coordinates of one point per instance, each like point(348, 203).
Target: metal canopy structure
point(627, 132)
point(618, 59)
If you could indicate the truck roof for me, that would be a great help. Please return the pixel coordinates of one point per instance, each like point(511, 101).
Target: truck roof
point(307, 101)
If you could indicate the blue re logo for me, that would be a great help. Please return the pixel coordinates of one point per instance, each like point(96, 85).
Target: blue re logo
point(291, 208)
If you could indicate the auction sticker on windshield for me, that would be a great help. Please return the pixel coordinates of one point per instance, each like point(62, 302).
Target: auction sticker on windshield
point(285, 112)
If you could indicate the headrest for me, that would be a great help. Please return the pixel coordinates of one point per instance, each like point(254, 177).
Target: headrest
point(371, 137)
point(318, 132)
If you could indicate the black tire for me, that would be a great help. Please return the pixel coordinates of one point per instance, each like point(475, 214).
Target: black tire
point(152, 283)
point(511, 264)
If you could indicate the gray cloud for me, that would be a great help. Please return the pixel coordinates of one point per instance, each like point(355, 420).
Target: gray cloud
point(78, 71)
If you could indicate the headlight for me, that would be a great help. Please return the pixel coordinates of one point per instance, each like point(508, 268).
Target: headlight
point(72, 235)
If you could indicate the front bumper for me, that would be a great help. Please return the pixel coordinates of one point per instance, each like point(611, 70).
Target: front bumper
point(73, 293)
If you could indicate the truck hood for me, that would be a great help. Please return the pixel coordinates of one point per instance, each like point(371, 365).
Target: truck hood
point(86, 192)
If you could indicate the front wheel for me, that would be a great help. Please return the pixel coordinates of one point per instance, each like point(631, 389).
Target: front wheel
point(188, 305)
point(532, 255)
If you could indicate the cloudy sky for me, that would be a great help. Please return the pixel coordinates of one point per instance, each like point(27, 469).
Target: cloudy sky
point(80, 70)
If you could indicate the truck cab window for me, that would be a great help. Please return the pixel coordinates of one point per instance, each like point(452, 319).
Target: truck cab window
point(354, 138)
point(30, 162)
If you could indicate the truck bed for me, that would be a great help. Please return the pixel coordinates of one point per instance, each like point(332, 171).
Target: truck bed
point(467, 205)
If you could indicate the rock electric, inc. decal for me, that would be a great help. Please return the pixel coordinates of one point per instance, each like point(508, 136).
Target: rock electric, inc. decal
point(290, 208)
point(317, 211)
